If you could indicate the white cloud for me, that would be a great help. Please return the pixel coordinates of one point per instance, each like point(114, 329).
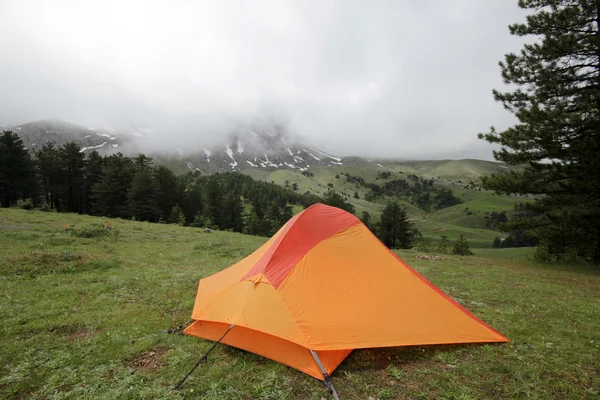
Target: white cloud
point(406, 78)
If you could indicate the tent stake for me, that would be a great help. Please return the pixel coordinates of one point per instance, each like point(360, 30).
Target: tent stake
point(203, 358)
point(325, 375)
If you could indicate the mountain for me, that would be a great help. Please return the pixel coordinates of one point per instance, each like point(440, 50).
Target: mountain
point(264, 148)
point(256, 150)
point(104, 140)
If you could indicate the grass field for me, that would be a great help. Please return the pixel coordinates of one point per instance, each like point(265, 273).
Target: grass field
point(83, 318)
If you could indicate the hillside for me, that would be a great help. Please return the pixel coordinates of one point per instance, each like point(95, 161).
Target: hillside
point(37, 133)
point(272, 154)
point(86, 318)
point(467, 218)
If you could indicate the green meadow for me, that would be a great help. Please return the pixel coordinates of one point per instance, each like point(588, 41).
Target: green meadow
point(84, 314)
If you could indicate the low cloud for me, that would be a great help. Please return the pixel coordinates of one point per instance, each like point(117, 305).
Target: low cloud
point(408, 79)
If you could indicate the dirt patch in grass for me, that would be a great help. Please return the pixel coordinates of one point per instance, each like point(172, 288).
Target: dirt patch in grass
point(148, 361)
point(82, 334)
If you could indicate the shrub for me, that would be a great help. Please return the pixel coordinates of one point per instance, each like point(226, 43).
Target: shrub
point(47, 208)
point(26, 204)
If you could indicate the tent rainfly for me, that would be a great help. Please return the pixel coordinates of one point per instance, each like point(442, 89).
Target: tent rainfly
point(321, 287)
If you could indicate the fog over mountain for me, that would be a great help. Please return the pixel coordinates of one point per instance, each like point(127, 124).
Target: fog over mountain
point(408, 79)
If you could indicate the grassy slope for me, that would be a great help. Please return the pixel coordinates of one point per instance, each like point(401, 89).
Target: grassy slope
point(456, 215)
point(450, 222)
point(82, 318)
point(451, 169)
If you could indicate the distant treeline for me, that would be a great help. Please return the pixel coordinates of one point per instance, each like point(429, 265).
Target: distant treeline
point(421, 193)
point(65, 179)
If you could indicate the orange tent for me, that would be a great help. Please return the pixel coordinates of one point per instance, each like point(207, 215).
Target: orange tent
point(321, 287)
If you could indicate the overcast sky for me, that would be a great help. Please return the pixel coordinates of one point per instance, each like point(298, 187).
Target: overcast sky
point(403, 78)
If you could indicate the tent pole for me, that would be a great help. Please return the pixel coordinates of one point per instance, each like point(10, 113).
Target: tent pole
point(325, 375)
point(203, 357)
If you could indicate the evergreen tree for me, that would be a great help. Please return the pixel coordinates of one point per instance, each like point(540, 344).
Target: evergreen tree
point(177, 216)
point(142, 197)
point(191, 199)
point(288, 213)
point(17, 172)
point(274, 218)
point(232, 215)
point(111, 193)
point(94, 166)
point(257, 222)
point(557, 138)
point(461, 247)
point(366, 220)
point(497, 242)
point(214, 201)
point(72, 170)
point(200, 221)
point(167, 191)
point(334, 199)
point(142, 162)
point(50, 171)
point(394, 227)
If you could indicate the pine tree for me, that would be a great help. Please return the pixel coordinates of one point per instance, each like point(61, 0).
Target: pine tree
point(191, 198)
point(177, 216)
point(497, 242)
point(111, 193)
point(394, 227)
point(288, 213)
point(461, 247)
point(142, 162)
point(94, 165)
point(142, 197)
point(167, 191)
point(232, 213)
point(274, 218)
point(72, 170)
point(200, 221)
point(17, 174)
point(50, 171)
point(214, 201)
point(334, 199)
point(557, 138)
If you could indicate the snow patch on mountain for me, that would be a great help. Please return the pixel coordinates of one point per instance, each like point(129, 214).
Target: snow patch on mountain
point(230, 154)
point(92, 147)
point(269, 148)
point(313, 156)
point(326, 155)
point(269, 163)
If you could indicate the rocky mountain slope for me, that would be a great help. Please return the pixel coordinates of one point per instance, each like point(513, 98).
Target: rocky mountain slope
point(254, 148)
point(248, 149)
point(104, 140)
